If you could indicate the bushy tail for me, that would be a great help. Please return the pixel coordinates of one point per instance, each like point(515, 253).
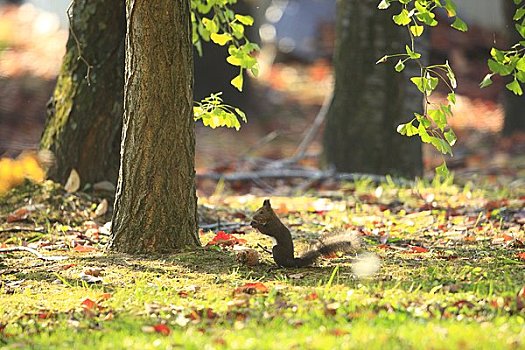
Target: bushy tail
point(328, 245)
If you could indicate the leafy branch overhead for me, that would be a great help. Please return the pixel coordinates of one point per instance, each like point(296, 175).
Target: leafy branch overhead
point(214, 20)
point(431, 126)
point(510, 62)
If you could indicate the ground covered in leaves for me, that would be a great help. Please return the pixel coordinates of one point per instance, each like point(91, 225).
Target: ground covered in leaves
point(442, 267)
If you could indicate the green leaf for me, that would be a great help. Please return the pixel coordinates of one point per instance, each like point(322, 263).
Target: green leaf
point(234, 61)
point(441, 145)
point(487, 81)
point(407, 129)
point(451, 97)
point(500, 68)
point(417, 30)
point(451, 137)
point(238, 30)
point(382, 59)
point(439, 117)
point(428, 18)
point(399, 66)
point(220, 39)
point(238, 81)
point(403, 18)
point(246, 20)
point(451, 8)
point(515, 87)
point(519, 14)
point(442, 170)
point(520, 76)
point(520, 65)
point(521, 29)
point(241, 114)
point(459, 25)
point(383, 5)
point(425, 137)
point(412, 54)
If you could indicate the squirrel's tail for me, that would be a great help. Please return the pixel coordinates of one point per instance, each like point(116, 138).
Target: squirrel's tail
point(329, 244)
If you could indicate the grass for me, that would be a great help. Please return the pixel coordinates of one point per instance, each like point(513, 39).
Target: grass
point(458, 290)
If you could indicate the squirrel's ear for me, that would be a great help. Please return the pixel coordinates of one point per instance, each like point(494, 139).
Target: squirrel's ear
point(266, 203)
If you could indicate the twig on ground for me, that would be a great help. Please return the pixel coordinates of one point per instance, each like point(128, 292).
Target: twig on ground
point(22, 229)
point(32, 251)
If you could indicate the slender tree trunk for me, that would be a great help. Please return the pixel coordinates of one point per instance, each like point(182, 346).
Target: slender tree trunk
point(370, 100)
point(514, 105)
point(85, 115)
point(156, 204)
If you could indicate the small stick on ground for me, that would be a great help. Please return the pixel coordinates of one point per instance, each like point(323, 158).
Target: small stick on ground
point(32, 251)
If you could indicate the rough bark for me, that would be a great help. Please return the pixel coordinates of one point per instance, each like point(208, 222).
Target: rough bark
point(370, 100)
point(156, 205)
point(85, 114)
point(514, 105)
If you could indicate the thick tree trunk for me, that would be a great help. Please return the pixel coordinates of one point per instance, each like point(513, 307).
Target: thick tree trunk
point(370, 100)
point(514, 105)
point(156, 204)
point(85, 114)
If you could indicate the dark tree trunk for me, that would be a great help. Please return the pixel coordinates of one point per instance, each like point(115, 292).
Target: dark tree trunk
point(156, 204)
point(514, 105)
point(85, 114)
point(370, 100)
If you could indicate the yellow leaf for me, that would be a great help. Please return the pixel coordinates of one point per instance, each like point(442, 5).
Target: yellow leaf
point(237, 82)
point(221, 39)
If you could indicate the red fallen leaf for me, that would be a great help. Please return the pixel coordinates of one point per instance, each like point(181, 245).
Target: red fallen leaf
point(162, 329)
point(104, 296)
point(18, 215)
point(521, 256)
point(311, 296)
point(416, 249)
point(84, 249)
point(66, 267)
point(338, 332)
point(43, 315)
point(252, 288)
point(507, 238)
point(383, 246)
point(225, 239)
point(89, 304)
point(461, 303)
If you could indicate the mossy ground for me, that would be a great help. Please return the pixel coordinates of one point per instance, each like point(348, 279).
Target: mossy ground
point(450, 276)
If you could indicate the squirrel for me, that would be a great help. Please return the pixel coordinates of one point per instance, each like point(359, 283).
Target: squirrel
point(266, 221)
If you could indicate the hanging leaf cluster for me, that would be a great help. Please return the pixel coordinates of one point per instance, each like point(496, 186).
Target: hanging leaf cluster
point(215, 21)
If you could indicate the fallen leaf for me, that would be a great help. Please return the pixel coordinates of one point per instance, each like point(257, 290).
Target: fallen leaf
point(73, 182)
point(102, 208)
point(88, 304)
point(93, 271)
point(416, 249)
point(252, 288)
point(521, 256)
point(162, 329)
point(311, 296)
point(104, 296)
point(18, 215)
point(84, 249)
point(224, 239)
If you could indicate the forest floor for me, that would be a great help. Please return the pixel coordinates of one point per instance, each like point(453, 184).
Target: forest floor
point(441, 268)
